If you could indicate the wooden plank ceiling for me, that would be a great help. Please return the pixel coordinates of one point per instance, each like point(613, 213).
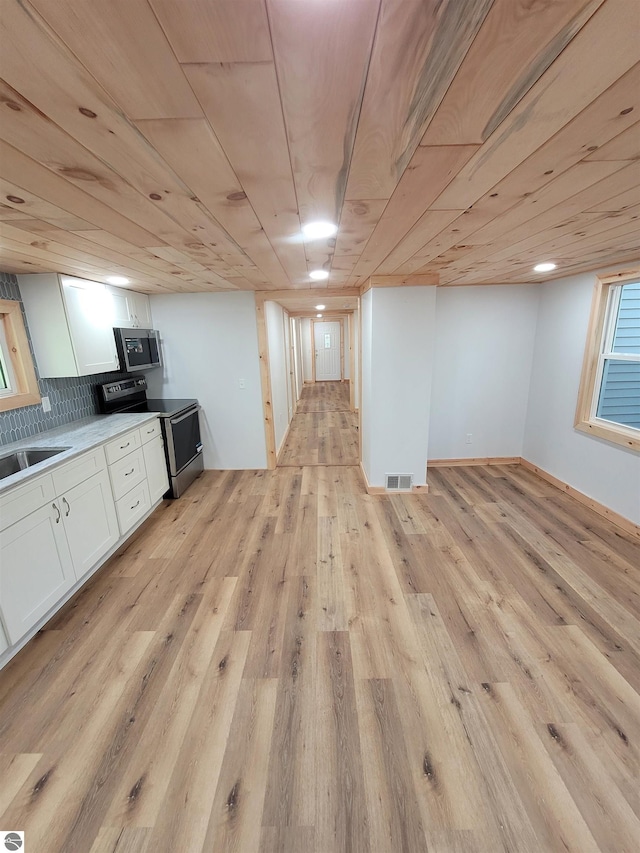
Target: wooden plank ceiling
point(183, 144)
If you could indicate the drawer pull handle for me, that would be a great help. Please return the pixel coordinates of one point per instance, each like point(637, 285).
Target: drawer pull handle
point(129, 472)
point(122, 446)
point(58, 511)
point(135, 505)
point(66, 503)
point(149, 431)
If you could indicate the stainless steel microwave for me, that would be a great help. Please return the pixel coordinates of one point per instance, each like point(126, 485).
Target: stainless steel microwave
point(138, 349)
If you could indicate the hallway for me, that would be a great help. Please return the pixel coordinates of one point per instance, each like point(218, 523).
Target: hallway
point(323, 431)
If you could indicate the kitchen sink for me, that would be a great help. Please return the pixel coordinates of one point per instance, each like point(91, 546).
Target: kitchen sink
point(21, 459)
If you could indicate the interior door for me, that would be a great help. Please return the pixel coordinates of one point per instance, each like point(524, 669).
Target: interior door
point(327, 351)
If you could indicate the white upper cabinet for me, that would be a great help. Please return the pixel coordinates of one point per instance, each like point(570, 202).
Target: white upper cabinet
point(71, 324)
point(131, 310)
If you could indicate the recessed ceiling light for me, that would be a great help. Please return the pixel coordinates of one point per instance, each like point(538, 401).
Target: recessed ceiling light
point(318, 315)
point(318, 275)
point(320, 307)
point(546, 267)
point(117, 279)
point(318, 230)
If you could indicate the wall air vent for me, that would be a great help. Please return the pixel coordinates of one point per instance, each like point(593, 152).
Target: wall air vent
point(399, 482)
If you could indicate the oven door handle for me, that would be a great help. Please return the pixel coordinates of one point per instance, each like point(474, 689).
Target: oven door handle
point(186, 415)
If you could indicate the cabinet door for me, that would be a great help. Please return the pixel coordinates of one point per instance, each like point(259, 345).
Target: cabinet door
point(122, 307)
point(89, 310)
point(141, 310)
point(89, 517)
point(35, 569)
point(155, 463)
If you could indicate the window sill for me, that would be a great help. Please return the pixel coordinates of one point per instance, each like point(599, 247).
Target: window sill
point(624, 436)
point(18, 401)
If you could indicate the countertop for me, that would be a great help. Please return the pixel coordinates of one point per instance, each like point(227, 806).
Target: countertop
point(78, 436)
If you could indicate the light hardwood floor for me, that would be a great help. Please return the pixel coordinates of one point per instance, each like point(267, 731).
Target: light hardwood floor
point(323, 431)
point(280, 662)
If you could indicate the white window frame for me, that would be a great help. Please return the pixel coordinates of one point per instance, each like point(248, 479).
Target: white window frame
point(604, 312)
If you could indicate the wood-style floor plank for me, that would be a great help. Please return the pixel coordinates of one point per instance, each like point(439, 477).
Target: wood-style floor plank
point(280, 662)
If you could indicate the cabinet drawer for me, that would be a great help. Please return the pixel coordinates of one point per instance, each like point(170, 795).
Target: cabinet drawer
point(119, 447)
point(127, 473)
point(150, 431)
point(27, 498)
point(79, 470)
point(133, 506)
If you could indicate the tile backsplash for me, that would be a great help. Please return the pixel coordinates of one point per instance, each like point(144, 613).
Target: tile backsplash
point(71, 398)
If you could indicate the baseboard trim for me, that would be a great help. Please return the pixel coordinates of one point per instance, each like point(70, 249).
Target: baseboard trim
point(380, 490)
point(614, 517)
point(476, 460)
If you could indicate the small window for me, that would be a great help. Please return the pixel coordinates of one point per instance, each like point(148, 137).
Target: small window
point(18, 383)
point(609, 399)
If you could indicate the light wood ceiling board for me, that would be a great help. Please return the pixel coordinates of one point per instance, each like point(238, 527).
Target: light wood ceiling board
point(111, 242)
point(132, 262)
point(357, 221)
point(429, 172)
point(242, 104)
point(25, 204)
point(418, 48)
point(121, 43)
point(594, 60)
point(614, 242)
point(63, 261)
point(195, 155)
point(216, 30)
point(468, 222)
point(44, 184)
point(559, 243)
point(628, 198)
point(44, 72)
point(624, 146)
point(322, 55)
point(28, 130)
point(604, 119)
point(610, 114)
point(430, 224)
point(49, 243)
point(580, 177)
point(608, 231)
point(516, 44)
point(621, 176)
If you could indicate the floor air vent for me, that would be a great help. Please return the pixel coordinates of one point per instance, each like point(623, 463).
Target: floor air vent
point(399, 482)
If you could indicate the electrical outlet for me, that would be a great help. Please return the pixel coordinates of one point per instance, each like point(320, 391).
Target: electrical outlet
point(241, 383)
point(46, 404)
point(468, 438)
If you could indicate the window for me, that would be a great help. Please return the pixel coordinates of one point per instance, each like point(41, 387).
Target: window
point(18, 383)
point(609, 398)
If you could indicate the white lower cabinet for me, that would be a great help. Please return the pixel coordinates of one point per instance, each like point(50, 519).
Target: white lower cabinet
point(156, 467)
point(35, 570)
point(89, 518)
point(56, 527)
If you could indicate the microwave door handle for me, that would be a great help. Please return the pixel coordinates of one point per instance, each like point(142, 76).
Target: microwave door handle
point(186, 415)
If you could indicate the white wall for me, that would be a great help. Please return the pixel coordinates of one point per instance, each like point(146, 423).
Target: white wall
point(278, 354)
point(397, 361)
point(210, 342)
point(484, 340)
point(606, 472)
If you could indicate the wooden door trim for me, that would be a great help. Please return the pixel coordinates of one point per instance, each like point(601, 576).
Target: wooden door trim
point(265, 381)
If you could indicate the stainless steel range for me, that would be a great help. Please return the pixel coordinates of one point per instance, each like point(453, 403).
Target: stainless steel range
point(179, 421)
